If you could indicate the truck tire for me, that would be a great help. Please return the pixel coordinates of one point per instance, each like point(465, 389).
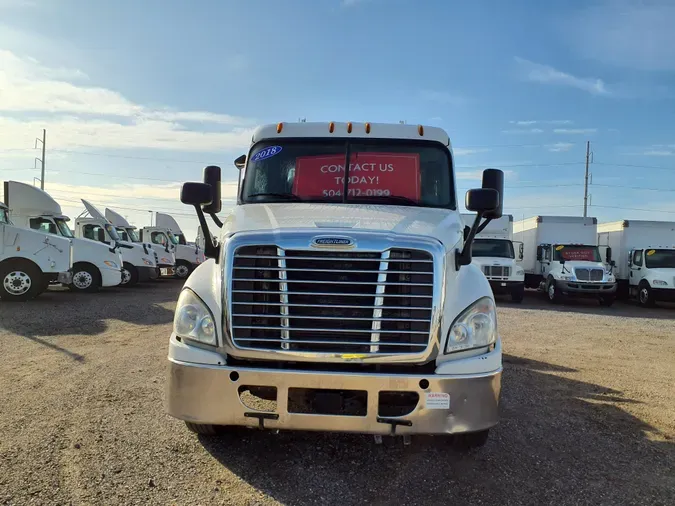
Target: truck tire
point(20, 280)
point(183, 269)
point(205, 429)
point(645, 295)
point(129, 275)
point(552, 293)
point(86, 278)
point(518, 294)
point(468, 441)
point(607, 300)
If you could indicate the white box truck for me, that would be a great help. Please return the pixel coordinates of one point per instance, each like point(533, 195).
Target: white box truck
point(644, 256)
point(561, 257)
point(494, 253)
point(188, 256)
point(30, 260)
point(95, 265)
point(159, 242)
point(340, 291)
point(138, 263)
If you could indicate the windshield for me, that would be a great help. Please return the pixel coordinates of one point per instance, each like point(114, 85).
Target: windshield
point(123, 233)
point(133, 235)
point(4, 215)
point(660, 259)
point(63, 227)
point(112, 232)
point(492, 248)
point(181, 239)
point(570, 253)
point(43, 225)
point(383, 172)
point(173, 238)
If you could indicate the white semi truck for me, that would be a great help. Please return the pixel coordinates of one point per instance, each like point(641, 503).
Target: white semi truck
point(159, 242)
point(30, 260)
point(494, 253)
point(188, 257)
point(344, 290)
point(95, 265)
point(138, 263)
point(644, 256)
point(561, 257)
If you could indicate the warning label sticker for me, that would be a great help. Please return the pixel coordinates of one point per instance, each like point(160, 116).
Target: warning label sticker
point(437, 400)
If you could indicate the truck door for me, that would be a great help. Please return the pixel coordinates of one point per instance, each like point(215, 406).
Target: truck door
point(635, 260)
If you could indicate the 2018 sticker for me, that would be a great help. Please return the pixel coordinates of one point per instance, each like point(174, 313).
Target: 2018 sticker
point(558, 248)
point(651, 252)
point(266, 153)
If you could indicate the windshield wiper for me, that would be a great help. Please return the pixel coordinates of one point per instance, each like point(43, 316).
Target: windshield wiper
point(287, 196)
point(387, 198)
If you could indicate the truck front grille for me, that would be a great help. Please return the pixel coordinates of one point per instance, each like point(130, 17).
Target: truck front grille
point(589, 274)
point(332, 302)
point(496, 271)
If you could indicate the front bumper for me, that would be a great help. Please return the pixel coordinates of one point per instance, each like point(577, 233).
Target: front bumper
point(504, 285)
point(166, 270)
point(209, 394)
point(145, 273)
point(664, 294)
point(586, 288)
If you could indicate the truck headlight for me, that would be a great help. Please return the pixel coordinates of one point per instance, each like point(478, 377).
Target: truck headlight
point(475, 327)
point(659, 282)
point(520, 272)
point(111, 264)
point(193, 320)
point(567, 277)
point(147, 262)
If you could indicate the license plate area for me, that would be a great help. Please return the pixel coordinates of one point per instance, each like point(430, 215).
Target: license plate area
point(320, 401)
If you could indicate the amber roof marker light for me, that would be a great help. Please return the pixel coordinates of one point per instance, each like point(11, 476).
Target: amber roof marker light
point(367, 128)
point(331, 127)
point(420, 130)
point(349, 127)
point(280, 127)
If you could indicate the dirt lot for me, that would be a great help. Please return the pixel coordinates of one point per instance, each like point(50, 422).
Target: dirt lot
point(588, 417)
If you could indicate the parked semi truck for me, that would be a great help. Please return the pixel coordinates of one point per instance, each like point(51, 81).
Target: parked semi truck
point(162, 251)
point(494, 253)
point(30, 260)
point(644, 256)
point(561, 257)
point(338, 289)
point(138, 263)
point(95, 265)
point(188, 257)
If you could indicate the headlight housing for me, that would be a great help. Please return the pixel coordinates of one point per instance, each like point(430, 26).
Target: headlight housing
point(193, 320)
point(659, 282)
point(148, 262)
point(567, 277)
point(475, 327)
point(111, 264)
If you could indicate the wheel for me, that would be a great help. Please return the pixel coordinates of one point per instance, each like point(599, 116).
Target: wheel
point(645, 295)
point(552, 292)
point(469, 440)
point(86, 278)
point(182, 270)
point(21, 280)
point(606, 300)
point(518, 293)
point(204, 429)
point(129, 275)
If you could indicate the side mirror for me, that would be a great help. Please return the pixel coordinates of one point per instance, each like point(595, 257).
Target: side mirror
point(521, 251)
point(540, 253)
point(212, 178)
point(195, 194)
point(240, 162)
point(608, 255)
point(482, 201)
point(493, 179)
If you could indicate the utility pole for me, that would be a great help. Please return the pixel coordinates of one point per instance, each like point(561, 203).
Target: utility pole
point(42, 160)
point(588, 156)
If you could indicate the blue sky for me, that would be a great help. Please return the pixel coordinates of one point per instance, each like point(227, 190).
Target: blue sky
point(137, 97)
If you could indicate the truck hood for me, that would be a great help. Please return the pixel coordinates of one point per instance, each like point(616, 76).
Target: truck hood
point(493, 261)
point(441, 224)
point(577, 264)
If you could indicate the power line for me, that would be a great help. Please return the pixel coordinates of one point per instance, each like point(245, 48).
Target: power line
point(635, 209)
point(634, 187)
point(655, 167)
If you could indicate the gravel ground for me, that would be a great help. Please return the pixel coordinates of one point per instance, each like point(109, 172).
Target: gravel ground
point(588, 417)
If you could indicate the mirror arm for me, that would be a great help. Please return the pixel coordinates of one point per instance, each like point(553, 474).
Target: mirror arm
point(216, 220)
point(210, 250)
point(464, 257)
point(483, 225)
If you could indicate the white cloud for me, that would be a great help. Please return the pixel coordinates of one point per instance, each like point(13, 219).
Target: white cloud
point(625, 33)
point(542, 122)
point(523, 131)
point(575, 131)
point(546, 74)
point(659, 152)
point(560, 147)
point(75, 114)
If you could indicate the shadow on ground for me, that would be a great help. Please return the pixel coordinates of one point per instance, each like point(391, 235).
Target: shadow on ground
point(59, 311)
point(560, 441)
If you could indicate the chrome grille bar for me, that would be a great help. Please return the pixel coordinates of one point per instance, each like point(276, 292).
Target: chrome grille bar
point(283, 287)
point(379, 301)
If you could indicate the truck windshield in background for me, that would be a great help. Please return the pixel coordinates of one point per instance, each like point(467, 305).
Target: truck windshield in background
point(381, 172)
point(501, 248)
point(63, 227)
point(570, 253)
point(4, 216)
point(660, 259)
point(124, 236)
point(172, 237)
point(133, 235)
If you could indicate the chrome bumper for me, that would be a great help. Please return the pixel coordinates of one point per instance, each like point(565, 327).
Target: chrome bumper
point(209, 395)
point(587, 287)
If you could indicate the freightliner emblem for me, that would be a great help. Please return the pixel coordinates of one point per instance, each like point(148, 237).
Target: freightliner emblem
point(333, 242)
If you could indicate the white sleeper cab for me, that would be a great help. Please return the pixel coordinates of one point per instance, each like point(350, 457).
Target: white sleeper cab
point(95, 265)
point(340, 294)
point(645, 258)
point(188, 257)
point(138, 263)
point(30, 260)
point(493, 252)
point(561, 258)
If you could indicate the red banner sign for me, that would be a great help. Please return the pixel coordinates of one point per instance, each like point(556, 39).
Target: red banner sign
point(370, 174)
point(581, 255)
